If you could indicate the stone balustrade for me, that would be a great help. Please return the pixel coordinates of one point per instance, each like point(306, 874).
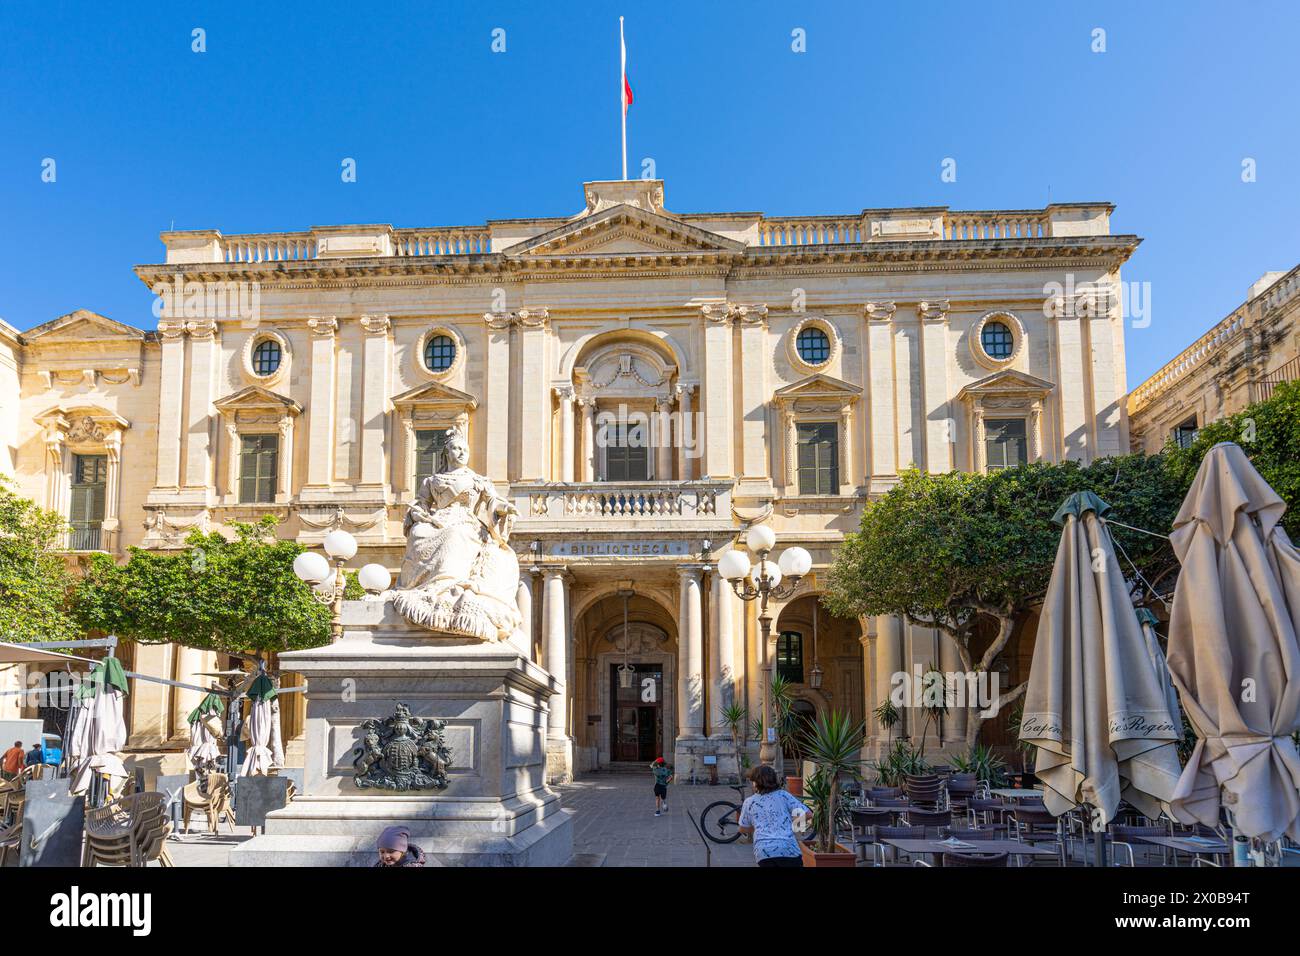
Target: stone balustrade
point(803, 231)
point(619, 502)
point(1027, 224)
point(268, 247)
point(1188, 359)
point(449, 241)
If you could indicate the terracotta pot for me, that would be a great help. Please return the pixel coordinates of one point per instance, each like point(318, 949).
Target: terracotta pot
point(842, 856)
point(795, 786)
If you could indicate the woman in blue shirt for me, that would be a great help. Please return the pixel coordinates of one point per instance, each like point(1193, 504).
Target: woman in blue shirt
point(768, 816)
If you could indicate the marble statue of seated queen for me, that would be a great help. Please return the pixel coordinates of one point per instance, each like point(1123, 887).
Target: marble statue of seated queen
point(459, 574)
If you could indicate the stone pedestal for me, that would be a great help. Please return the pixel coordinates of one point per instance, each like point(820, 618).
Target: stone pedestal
point(496, 809)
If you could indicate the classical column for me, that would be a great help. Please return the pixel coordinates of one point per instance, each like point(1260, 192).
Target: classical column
point(535, 410)
point(690, 655)
point(113, 485)
point(664, 440)
point(716, 400)
point(980, 456)
point(56, 476)
point(722, 652)
point(880, 386)
point(565, 395)
point(375, 390)
point(869, 689)
point(1072, 384)
point(284, 480)
point(889, 661)
point(936, 416)
point(1035, 431)
point(686, 433)
point(524, 601)
point(320, 414)
point(791, 451)
point(588, 438)
point(497, 400)
point(555, 639)
point(198, 440)
point(171, 402)
point(954, 724)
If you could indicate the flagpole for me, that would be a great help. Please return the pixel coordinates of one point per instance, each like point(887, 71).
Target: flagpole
point(622, 94)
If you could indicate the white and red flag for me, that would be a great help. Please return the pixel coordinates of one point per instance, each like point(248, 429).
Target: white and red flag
point(625, 90)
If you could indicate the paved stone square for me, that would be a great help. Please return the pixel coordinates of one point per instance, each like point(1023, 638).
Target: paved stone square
point(615, 826)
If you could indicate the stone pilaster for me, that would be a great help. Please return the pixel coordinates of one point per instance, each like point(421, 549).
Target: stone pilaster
point(754, 395)
point(555, 638)
point(497, 400)
point(880, 387)
point(320, 414)
point(936, 415)
point(565, 396)
point(202, 379)
point(375, 391)
point(535, 409)
point(719, 434)
point(171, 404)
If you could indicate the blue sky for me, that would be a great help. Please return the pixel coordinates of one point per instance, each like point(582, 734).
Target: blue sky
point(249, 135)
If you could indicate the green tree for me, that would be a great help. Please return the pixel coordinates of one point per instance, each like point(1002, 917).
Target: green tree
point(230, 595)
point(961, 551)
point(34, 577)
point(1269, 433)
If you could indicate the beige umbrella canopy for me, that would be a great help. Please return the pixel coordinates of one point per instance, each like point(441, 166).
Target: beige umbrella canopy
point(1233, 651)
point(264, 747)
point(1095, 706)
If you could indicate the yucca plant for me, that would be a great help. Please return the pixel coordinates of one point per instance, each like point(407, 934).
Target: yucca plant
point(784, 719)
point(934, 700)
point(982, 761)
point(900, 761)
point(834, 743)
point(735, 716)
point(888, 716)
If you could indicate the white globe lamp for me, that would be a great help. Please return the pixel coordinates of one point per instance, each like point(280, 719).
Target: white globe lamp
point(311, 567)
point(768, 569)
point(374, 578)
point(340, 545)
point(795, 562)
point(760, 538)
point(733, 565)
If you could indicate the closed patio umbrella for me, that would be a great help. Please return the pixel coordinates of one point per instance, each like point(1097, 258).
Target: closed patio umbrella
point(263, 729)
point(205, 730)
point(1096, 707)
point(1233, 650)
point(106, 734)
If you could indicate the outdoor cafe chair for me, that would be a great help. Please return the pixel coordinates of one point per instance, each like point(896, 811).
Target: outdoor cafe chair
point(866, 820)
point(961, 789)
point(129, 831)
point(968, 834)
point(924, 790)
point(984, 812)
point(929, 819)
point(215, 803)
point(969, 860)
point(883, 793)
point(1036, 825)
point(883, 854)
point(1122, 838)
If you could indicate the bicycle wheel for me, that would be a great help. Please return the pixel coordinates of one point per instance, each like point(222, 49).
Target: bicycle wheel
point(720, 822)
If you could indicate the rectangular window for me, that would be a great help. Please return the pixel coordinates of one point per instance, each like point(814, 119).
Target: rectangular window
point(1185, 433)
point(428, 452)
point(789, 656)
point(818, 462)
point(1005, 445)
point(259, 459)
point(86, 510)
point(627, 452)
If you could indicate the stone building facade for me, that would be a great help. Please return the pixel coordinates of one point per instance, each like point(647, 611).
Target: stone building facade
point(1235, 363)
point(646, 384)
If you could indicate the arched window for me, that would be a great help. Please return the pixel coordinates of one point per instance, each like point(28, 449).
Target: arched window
point(439, 353)
point(997, 340)
point(813, 345)
point(266, 357)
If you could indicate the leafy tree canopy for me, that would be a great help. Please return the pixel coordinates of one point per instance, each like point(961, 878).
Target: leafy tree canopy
point(34, 577)
point(218, 594)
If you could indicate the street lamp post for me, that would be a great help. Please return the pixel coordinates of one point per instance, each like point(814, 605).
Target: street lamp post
point(329, 583)
point(761, 582)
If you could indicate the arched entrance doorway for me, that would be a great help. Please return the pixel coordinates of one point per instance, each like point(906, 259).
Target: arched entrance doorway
point(625, 707)
point(821, 656)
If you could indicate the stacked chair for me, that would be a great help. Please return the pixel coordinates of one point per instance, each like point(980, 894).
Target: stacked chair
point(128, 831)
point(215, 803)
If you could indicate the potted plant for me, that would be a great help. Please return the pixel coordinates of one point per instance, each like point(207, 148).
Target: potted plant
point(984, 763)
point(1026, 750)
point(833, 743)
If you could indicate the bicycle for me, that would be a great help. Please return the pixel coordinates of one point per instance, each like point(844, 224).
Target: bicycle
point(720, 820)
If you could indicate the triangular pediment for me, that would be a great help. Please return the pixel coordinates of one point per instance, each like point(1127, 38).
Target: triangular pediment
point(623, 230)
point(819, 386)
point(81, 326)
point(1009, 381)
point(435, 393)
point(256, 397)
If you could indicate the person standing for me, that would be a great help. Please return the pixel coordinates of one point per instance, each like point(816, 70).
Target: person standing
point(663, 776)
point(36, 756)
point(12, 762)
point(768, 815)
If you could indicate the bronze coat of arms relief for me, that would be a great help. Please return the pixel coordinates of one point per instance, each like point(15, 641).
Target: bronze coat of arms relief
point(402, 752)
